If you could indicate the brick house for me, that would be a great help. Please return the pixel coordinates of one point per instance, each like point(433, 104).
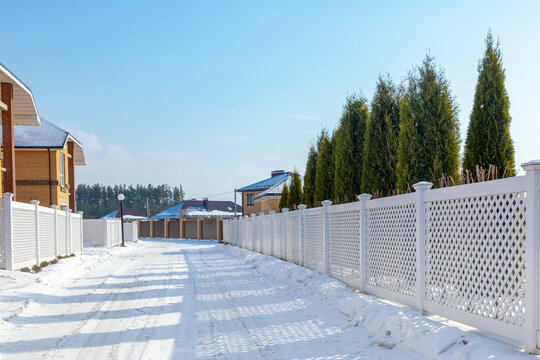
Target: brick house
point(263, 196)
point(46, 157)
point(18, 108)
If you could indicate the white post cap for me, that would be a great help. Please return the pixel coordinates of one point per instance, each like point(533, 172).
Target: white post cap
point(261, 213)
point(35, 202)
point(253, 215)
point(326, 203)
point(284, 209)
point(54, 206)
point(533, 165)
point(302, 206)
point(422, 185)
point(7, 195)
point(364, 197)
point(272, 212)
point(80, 212)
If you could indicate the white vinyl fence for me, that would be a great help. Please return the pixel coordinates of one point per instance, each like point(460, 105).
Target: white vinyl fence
point(469, 253)
point(31, 233)
point(103, 232)
point(131, 231)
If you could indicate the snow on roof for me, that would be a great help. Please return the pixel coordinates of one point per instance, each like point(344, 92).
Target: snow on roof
point(266, 183)
point(129, 214)
point(199, 208)
point(276, 189)
point(46, 135)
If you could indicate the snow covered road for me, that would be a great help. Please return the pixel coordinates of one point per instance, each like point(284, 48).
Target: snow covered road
point(174, 300)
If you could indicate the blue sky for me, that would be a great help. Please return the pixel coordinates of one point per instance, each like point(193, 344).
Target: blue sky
point(214, 95)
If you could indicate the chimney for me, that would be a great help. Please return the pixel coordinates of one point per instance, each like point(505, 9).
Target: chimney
point(205, 203)
point(277, 172)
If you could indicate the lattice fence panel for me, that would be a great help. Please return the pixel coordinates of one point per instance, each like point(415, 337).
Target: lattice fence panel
point(391, 248)
point(293, 237)
point(267, 235)
point(245, 233)
point(313, 241)
point(475, 255)
point(344, 244)
point(277, 235)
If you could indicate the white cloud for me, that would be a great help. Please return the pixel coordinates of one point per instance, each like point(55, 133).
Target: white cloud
point(90, 141)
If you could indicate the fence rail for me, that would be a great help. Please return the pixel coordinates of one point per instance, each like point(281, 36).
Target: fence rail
point(30, 234)
point(469, 252)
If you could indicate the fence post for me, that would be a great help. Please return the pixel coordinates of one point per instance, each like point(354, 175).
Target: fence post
point(36, 222)
point(68, 231)
point(81, 232)
point(55, 224)
point(326, 223)
point(420, 189)
point(532, 237)
point(363, 198)
point(8, 235)
point(261, 229)
point(252, 232)
point(271, 235)
point(301, 209)
point(284, 231)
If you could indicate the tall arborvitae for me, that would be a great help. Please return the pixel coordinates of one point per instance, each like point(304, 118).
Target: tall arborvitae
point(324, 177)
point(284, 199)
point(309, 176)
point(349, 149)
point(429, 129)
point(381, 140)
point(488, 136)
point(295, 192)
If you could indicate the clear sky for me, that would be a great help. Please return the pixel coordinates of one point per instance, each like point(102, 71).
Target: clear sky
point(214, 95)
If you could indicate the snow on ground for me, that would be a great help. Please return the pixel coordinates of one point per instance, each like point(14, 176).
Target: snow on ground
point(200, 300)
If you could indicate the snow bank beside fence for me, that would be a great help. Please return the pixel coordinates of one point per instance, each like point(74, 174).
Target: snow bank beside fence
point(390, 324)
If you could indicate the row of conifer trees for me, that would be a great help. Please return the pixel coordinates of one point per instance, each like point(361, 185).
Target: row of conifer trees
point(409, 133)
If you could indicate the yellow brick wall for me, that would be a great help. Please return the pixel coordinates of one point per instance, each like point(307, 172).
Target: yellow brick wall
point(34, 165)
point(268, 204)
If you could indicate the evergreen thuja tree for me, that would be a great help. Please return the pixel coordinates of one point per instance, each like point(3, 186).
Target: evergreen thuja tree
point(488, 136)
point(348, 149)
point(381, 140)
point(295, 192)
point(429, 129)
point(324, 177)
point(284, 199)
point(309, 176)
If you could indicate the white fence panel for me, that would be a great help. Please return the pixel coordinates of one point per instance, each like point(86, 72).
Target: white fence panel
point(314, 239)
point(391, 248)
point(47, 241)
point(24, 235)
point(277, 235)
point(292, 243)
point(31, 234)
point(344, 243)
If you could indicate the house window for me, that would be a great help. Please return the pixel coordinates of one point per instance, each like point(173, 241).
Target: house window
point(62, 170)
point(250, 199)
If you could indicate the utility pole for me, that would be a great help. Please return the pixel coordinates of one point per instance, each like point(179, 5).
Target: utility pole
point(235, 202)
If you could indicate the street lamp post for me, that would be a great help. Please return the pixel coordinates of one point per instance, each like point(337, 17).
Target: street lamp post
point(121, 198)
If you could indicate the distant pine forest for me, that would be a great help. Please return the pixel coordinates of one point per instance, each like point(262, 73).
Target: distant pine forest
point(97, 200)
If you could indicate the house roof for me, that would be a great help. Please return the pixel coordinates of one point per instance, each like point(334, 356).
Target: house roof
point(276, 189)
point(192, 209)
point(46, 136)
point(266, 183)
point(128, 214)
point(24, 106)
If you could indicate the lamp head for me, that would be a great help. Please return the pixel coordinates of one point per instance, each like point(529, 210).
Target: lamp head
point(121, 197)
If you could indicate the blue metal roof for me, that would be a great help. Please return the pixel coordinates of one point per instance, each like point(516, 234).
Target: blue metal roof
point(266, 183)
point(47, 135)
point(110, 215)
point(170, 213)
